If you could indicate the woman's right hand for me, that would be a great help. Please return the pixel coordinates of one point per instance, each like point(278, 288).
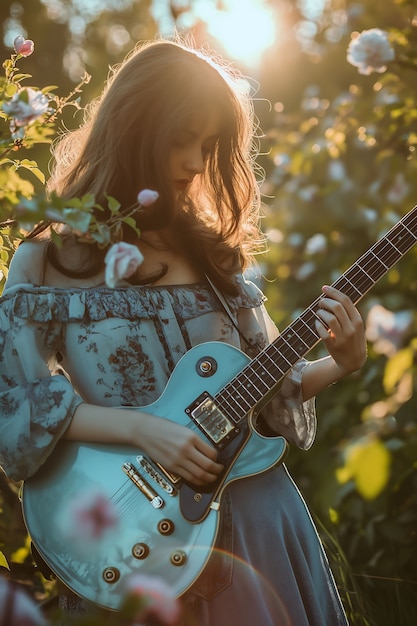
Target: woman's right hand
point(177, 448)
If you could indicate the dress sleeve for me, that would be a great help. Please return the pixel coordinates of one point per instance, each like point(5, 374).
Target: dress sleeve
point(36, 402)
point(286, 414)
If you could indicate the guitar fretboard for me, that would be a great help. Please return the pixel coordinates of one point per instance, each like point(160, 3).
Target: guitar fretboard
point(262, 375)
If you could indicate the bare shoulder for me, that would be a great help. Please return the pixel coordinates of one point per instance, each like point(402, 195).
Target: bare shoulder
point(27, 265)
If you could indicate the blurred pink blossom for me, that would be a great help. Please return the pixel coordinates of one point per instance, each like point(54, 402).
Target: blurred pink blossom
point(156, 599)
point(399, 189)
point(386, 330)
point(92, 515)
point(16, 606)
point(370, 51)
point(26, 106)
point(146, 197)
point(23, 46)
point(122, 260)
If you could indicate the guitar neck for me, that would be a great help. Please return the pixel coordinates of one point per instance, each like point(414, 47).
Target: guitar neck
point(259, 379)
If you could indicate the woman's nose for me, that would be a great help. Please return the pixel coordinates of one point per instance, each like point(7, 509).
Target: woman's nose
point(195, 161)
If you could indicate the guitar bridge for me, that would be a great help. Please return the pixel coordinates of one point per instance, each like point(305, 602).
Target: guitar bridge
point(212, 421)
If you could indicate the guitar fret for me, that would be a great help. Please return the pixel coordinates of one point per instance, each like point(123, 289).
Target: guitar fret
point(233, 410)
point(311, 325)
point(314, 336)
point(288, 346)
point(253, 390)
point(412, 235)
point(272, 362)
point(385, 266)
point(352, 288)
point(291, 336)
point(259, 378)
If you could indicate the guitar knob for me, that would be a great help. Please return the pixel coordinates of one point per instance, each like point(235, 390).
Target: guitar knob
point(166, 527)
point(111, 575)
point(140, 551)
point(178, 558)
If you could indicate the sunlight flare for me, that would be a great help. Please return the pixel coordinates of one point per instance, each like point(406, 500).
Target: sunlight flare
point(245, 30)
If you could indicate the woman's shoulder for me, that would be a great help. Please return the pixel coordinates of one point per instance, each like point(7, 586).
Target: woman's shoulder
point(28, 264)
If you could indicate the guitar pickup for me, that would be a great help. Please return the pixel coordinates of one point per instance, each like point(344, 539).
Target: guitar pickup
point(219, 429)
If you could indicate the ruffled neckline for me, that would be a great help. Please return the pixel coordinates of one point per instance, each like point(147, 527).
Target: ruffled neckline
point(44, 304)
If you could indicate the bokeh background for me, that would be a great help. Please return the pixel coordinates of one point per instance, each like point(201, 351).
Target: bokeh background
point(338, 169)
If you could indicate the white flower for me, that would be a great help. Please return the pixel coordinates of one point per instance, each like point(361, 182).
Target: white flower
point(370, 51)
point(316, 244)
point(26, 106)
point(122, 260)
point(305, 270)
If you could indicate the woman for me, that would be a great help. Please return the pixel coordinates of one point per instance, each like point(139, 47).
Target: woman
point(174, 120)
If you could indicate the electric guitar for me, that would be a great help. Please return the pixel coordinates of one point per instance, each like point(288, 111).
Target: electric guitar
point(167, 527)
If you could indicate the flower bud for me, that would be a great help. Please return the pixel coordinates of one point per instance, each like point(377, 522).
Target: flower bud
point(146, 197)
point(23, 46)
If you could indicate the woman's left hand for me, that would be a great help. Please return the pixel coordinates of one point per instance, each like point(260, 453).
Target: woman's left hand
point(343, 331)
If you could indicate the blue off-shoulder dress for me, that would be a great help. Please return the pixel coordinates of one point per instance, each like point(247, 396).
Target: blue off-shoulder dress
point(113, 347)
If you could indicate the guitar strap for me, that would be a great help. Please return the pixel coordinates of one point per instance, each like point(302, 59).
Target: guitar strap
point(220, 297)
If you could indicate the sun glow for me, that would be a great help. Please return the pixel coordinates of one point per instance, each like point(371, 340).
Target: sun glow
point(245, 29)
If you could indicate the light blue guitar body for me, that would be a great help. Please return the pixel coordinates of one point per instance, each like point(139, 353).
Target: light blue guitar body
point(172, 540)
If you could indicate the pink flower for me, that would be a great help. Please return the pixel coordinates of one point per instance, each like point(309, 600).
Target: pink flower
point(387, 330)
point(23, 46)
point(370, 51)
point(23, 611)
point(122, 260)
point(146, 197)
point(26, 106)
point(92, 515)
point(155, 597)
point(399, 189)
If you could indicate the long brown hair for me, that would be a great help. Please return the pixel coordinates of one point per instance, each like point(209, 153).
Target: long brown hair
point(124, 143)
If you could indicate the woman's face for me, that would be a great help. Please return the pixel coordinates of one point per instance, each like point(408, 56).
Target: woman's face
point(190, 149)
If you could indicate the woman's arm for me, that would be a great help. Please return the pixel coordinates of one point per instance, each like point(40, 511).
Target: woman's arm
point(178, 448)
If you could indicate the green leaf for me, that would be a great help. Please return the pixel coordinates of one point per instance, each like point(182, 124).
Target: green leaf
point(3, 561)
point(130, 222)
point(39, 174)
point(88, 201)
point(56, 238)
point(396, 367)
point(11, 89)
point(19, 77)
point(114, 205)
point(78, 220)
point(49, 88)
